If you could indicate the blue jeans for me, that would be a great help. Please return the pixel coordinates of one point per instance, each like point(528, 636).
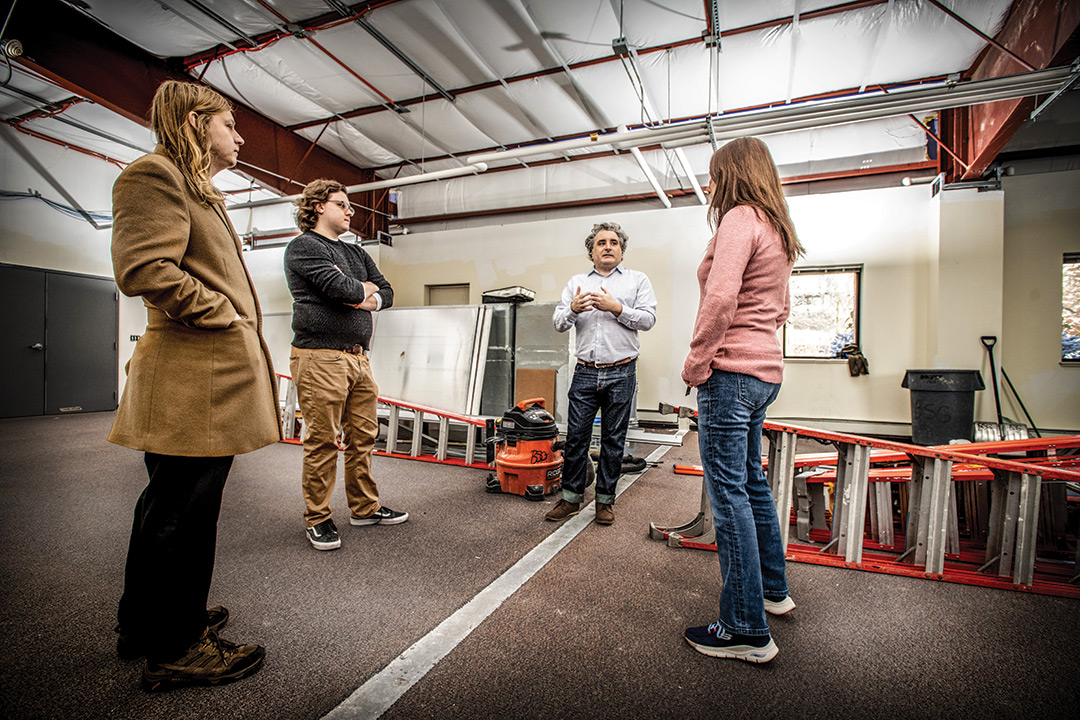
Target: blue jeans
point(611, 391)
point(731, 412)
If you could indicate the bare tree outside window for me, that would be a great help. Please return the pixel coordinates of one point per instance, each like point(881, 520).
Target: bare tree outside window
point(824, 312)
point(1070, 308)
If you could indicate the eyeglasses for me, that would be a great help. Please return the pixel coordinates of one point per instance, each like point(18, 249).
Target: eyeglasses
point(343, 205)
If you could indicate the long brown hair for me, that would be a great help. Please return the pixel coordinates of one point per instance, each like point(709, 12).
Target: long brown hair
point(744, 174)
point(187, 146)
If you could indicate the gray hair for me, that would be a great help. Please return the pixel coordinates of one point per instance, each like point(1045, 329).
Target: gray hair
point(602, 226)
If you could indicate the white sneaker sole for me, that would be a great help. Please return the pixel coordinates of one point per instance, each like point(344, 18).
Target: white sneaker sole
point(739, 652)
point(780, 608)
point(360, 522)
point(324, 545)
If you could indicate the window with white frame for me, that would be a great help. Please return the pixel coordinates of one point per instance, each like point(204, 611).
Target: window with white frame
point(1070, 308)
point(824, 313)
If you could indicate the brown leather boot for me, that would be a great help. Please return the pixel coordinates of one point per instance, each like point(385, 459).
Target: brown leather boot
point(210, 661)
point(605, 514)
point(563, 510)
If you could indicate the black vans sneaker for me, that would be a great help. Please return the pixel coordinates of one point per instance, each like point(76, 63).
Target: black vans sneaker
point(382, 516)
point(714, 641)
point(324, 536)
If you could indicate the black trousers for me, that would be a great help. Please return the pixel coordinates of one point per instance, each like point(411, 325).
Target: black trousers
point(170, 558)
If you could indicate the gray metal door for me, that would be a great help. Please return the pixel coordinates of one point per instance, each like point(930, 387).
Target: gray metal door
point(22, 342)
point(81, 355)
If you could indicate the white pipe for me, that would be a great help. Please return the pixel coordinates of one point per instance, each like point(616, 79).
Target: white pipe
point(376, 185)
point(470, 169)
point(641, 136)
point(685, 162)
point(652, 178)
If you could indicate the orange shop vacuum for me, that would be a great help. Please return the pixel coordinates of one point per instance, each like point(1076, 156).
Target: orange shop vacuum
point(528, 458)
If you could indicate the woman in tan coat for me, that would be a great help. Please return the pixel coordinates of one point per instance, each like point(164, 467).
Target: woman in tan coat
point(200, 388)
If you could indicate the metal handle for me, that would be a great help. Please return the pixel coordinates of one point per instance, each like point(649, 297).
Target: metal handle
point(37, 346)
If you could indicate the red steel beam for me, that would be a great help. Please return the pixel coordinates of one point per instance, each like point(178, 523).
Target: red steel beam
point(1044, 33)
point(87, 59)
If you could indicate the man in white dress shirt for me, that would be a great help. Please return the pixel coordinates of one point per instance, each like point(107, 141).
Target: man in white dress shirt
point(608, 306)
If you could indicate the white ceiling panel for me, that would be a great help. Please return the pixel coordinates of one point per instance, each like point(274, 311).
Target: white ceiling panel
point(272, 86)
point(555, 104)
point(582, 30)
point(170, 28)
point(432, 39)
point(739, 13)
point(19, 95)
point(358, 50)
point(348, 142)
point(923, 42)
point(500, 118)
point(417, 135)
point(309, 72)
point(500, 30)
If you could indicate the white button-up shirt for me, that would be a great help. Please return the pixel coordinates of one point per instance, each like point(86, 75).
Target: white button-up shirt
point(603, 338)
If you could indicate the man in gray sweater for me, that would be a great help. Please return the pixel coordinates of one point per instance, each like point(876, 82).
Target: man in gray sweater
point(335, 288)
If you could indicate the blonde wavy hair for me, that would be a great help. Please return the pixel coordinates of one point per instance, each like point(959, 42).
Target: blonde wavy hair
point(187, 146)
point(745, 174)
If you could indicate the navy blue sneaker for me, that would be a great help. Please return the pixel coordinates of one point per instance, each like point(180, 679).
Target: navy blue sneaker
point(716, 642)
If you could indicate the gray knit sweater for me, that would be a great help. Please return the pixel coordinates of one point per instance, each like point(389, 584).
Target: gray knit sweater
point(325, 277)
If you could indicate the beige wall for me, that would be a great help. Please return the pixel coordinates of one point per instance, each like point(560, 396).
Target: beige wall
point(886, 230)
point(542, 256)
point(1042, 221)
point(933, 282)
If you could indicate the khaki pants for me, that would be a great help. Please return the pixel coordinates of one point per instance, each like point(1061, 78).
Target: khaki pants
point(336, 391)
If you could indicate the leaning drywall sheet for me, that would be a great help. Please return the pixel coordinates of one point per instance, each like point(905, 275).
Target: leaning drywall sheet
point(428, 355)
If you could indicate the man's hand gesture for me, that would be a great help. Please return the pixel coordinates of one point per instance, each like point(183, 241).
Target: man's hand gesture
point(582, 302)
point(605, 302)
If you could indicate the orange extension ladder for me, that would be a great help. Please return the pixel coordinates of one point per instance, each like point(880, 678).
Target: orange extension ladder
point(855, 526)
point(404, 418)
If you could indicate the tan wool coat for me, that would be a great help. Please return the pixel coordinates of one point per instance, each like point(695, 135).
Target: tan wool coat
point(200, 382)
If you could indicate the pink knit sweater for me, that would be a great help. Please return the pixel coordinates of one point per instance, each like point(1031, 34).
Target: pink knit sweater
point(744, 301)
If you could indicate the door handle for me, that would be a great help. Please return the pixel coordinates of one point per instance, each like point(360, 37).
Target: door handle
point(37, 346)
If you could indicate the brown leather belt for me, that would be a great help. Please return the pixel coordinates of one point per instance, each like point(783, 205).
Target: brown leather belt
point(355, 350)
point(606, 365)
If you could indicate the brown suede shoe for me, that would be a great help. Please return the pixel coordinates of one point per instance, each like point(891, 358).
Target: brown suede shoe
point(563, 510)
point(605, 514)
point(210, 661)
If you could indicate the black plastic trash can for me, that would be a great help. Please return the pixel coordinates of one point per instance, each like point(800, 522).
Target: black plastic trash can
point(942, 404)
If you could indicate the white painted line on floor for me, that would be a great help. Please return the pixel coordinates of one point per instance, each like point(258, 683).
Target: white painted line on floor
point(382, 690)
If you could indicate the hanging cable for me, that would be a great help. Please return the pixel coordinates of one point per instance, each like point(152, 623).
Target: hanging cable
point(91, 217)
point(8, 18)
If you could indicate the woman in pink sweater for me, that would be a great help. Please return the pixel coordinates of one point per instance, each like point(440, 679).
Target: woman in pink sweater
point(736, 364)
